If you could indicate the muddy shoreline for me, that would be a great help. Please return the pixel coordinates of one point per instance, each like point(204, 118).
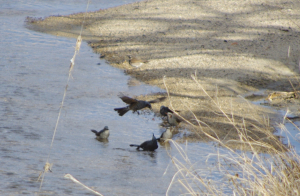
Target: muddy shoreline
point(231, 49)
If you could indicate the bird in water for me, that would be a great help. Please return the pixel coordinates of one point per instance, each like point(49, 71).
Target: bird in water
point(103, 134)
point(172, 119)
point(135, 105)
point(167, 134)
point(149, 145)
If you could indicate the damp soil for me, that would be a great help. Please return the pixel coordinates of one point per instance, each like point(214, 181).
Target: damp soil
point(210, 56)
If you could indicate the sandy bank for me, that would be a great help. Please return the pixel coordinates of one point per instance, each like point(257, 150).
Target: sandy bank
point(234, 48)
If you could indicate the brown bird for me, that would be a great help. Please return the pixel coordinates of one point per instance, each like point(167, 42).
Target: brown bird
point(135, 105)
point(173, 120)
point(136, 62)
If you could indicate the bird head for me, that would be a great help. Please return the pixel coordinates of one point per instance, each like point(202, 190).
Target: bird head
point(153, 137)
point(106, 128)
point(169, 130)
point(148, 105)
point(129, 56)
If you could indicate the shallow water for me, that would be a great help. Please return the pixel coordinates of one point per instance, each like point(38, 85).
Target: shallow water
point(34, 71)
point(287, 129)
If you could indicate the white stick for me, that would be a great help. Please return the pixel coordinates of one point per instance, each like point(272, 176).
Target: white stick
point(69, 176)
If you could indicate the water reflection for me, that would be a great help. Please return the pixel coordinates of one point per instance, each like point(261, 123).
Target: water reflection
point(152, 155)
point(103, 141)
point(165, 144)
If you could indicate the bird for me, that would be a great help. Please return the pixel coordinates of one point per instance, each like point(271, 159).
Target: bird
point(149, 145)
point(167, 134)
point(134, 104)
point(103, 134)
point(164, 110)
point(136, 62)
point(172, 119)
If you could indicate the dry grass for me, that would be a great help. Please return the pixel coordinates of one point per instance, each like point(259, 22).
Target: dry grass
point(243, 174)
point(275, 172)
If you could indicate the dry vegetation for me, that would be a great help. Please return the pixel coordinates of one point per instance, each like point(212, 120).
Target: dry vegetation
point(243, 174)
point(274, 172)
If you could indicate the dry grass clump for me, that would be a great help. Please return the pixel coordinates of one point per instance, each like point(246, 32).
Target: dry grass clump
point(241, 173)
point(251, 172)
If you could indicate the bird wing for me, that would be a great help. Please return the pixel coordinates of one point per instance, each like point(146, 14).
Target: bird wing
point(94, 131)
point(168, 110)
point(101, 131)
point(157, 100)
point(178, 120)
point(128, 100)
point(175, 117)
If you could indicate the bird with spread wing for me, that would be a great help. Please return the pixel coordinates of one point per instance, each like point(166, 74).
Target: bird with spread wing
point(135, 104)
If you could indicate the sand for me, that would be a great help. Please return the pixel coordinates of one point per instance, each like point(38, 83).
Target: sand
point(213, 57)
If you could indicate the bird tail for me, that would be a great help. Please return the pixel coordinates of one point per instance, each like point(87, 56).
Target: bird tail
point(122, 111)
point(134, 145)
point(94, 131)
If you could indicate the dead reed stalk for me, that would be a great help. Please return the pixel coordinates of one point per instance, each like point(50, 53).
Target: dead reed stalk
point(275, 172)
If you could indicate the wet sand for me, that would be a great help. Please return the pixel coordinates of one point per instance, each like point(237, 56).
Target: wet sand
point(232, 48)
